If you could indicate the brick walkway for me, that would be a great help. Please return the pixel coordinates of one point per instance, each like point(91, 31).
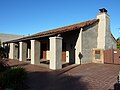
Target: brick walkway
point(74, 77)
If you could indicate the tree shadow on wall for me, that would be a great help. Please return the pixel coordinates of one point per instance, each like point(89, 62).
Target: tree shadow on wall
point(80, 57)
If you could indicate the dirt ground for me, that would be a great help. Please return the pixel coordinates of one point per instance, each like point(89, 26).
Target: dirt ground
point(74, 77)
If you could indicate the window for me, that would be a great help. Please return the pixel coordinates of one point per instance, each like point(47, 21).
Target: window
point(97, 54)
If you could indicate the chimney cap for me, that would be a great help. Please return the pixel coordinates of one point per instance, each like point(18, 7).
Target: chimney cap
point(103, 10)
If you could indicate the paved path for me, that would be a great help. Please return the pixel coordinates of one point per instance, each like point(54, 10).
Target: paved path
point(74, 77)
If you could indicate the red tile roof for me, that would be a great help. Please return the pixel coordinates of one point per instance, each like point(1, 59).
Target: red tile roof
point(58, 30)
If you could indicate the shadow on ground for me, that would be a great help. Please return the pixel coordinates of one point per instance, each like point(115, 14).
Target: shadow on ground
point(73, 77)
point(40, 78)
point(53, 81)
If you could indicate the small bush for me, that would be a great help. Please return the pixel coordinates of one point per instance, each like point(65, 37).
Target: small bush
point(13, 78)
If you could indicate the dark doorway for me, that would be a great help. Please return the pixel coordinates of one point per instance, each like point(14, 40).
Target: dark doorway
point(43, 50)
point(64, 52)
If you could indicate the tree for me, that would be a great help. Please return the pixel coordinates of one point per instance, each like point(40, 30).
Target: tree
point(0, 43)
point(2, 51)
point(118, 43)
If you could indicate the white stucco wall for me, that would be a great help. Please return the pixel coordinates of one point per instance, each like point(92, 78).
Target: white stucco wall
point(55, 53)
point(13, 53)
point(16, 51)
point(89, 41)
point(67, 56)
point(105, 39)
point(29, 53)
point(22, 51)
point(78, 48)
point(48, 55)
point(35, 52)
point(109, 41)
point(101, 30)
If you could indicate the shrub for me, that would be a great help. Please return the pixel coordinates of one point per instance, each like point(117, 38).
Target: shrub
point(13, 78)
point(2, 52)
point(3, 65)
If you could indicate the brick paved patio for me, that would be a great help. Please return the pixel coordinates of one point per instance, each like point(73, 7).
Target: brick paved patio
point(73, 77)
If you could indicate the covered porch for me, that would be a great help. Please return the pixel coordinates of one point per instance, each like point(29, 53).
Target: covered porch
point(37, 51)
point(56, 50)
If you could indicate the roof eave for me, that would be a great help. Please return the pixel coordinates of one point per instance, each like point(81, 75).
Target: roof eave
point(50, 34)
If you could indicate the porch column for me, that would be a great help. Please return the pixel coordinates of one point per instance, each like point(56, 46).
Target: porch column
point(7, 50)
point(55, 52)
point(35, 52)
point(29, 53)
point(12, 51)
point(22, 51)
point(78, 49)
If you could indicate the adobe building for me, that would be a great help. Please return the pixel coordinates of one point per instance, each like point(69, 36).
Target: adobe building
point(78, 43)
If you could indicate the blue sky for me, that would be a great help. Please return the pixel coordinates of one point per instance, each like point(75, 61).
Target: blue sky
point(24, 17)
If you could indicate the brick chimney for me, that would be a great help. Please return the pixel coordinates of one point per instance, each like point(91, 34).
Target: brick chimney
point(103, 29)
